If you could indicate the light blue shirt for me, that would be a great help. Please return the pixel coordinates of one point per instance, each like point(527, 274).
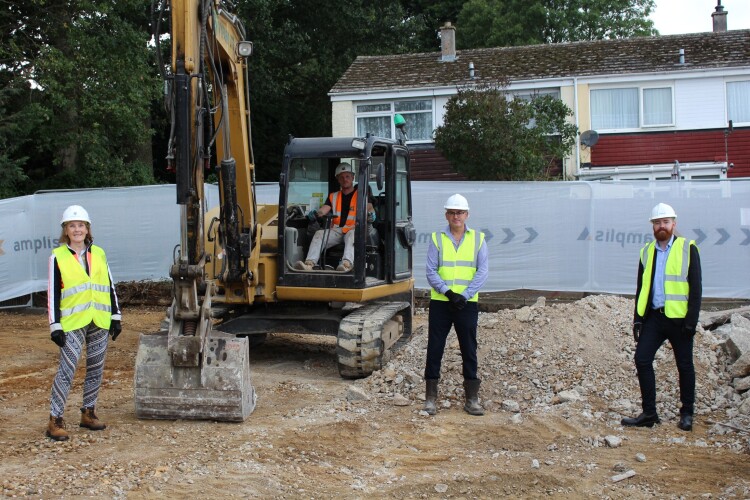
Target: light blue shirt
point(661, 264)
point(434, 279)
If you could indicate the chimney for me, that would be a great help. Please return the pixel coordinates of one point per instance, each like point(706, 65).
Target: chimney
point(720, 19)
point(448, 42)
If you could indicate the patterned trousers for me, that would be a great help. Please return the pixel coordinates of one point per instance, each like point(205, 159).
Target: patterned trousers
point(96, 350)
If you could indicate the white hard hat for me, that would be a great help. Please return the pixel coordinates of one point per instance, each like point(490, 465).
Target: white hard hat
point(457, 202)
point(75, 212)
point(662, 211)
point(344, 167)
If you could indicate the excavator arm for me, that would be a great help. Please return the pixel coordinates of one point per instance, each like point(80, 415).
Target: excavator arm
point(194, 371)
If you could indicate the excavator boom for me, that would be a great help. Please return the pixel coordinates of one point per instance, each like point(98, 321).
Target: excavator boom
point(190, 370)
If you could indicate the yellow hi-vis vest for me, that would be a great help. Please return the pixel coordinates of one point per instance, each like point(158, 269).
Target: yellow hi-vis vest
point(676, 288)
point(84, 298)
point(457, 267)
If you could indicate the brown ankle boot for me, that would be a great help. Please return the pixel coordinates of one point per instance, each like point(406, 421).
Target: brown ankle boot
point(56, 429)
point(90, 421)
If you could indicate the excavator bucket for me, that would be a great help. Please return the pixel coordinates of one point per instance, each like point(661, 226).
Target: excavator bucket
point(218, 389)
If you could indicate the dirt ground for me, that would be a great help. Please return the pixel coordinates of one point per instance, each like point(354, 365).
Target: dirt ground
point(310, 438)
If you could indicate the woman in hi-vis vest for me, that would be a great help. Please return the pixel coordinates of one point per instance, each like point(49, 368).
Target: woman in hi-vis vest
point(82, 307)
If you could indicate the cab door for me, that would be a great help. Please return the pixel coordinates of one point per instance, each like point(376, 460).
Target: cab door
point(401, 237)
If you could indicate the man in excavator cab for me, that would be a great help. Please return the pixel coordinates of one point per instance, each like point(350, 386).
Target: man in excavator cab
point(342, 207)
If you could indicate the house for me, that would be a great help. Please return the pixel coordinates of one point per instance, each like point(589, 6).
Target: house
point(647, 107)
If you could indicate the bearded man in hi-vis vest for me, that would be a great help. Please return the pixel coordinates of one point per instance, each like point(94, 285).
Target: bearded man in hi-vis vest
point(667, 305)
point(457, 267)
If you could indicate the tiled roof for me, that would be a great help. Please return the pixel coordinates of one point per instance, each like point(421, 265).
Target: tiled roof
point(534, 62)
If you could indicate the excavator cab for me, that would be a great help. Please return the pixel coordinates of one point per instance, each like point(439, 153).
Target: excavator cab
point(382, 247)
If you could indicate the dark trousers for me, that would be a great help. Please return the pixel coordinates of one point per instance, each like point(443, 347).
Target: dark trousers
point(656, 329)
point(442, 317)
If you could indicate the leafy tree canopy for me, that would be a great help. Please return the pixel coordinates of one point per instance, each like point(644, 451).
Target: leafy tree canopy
point(499, 23)
point(489, 135)
point(79, 84)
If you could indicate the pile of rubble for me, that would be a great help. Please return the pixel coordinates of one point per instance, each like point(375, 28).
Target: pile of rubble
point(537, 358)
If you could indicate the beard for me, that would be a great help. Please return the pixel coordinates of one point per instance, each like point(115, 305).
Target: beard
point(663, 234)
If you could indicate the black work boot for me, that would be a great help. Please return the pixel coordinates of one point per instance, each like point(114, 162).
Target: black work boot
point(686, 422)
point(90, 421)
point(430, 401)
point(56, 429)
point(471, 389)
point(642, 420)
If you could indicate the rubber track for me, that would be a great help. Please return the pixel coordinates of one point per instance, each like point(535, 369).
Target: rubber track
point(359, 346)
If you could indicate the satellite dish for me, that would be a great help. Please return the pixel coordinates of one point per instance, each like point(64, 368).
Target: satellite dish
point(589, 138)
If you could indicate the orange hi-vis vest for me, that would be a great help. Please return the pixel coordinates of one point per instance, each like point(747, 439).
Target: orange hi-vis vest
point(351, 218)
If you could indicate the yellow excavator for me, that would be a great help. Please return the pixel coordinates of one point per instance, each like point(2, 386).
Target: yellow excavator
point(234, 274)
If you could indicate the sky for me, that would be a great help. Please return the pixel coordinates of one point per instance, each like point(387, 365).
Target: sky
point(672, 17)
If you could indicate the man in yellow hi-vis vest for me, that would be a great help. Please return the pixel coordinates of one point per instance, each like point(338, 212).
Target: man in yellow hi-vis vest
point(667, 305)
point(82, 307)
point(457, 267)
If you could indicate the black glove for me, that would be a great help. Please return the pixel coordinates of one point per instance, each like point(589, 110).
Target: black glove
point(457, 300)
point(114, 329)
point(637, 331)
point(58, 337)
point(688, 330)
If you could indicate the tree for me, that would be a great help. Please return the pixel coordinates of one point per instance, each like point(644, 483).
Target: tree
point(301, 49)
point(499, 23)
point(80, 85)
point(489, 135)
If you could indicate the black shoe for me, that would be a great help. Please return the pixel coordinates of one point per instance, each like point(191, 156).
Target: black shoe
point(641, 420)
point(686, 422)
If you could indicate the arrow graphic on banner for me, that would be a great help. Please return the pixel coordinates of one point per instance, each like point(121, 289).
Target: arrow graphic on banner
point(701, 236)
point(509, 236)
point(746, 241)
point(487, 234)
point(724, 236)
point(584, 234)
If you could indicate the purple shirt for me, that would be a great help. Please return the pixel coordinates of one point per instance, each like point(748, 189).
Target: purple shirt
point(434, 279)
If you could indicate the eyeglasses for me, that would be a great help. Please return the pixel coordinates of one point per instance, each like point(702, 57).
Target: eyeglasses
point(453, 213)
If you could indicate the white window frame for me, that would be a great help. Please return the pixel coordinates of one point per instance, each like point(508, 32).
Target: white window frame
point(642, 113)
point(726, 93)
point(390, 114)
point(640, 88)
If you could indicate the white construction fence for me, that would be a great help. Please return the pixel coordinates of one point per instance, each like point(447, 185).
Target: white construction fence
point(557, 236)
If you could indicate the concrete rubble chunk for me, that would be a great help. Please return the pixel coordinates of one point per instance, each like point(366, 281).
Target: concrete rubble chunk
point(400, 400)
point(741, 384)
point(737, 342)
point(740, 321)
point(567, 396)
point(741, 367)
point(744, 408)
point(510, 405)
point(613, 441)
point(624, 475)
point(524, 314)
point(354, 393)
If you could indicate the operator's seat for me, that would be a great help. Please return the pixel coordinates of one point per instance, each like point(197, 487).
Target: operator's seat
point(334, 254)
